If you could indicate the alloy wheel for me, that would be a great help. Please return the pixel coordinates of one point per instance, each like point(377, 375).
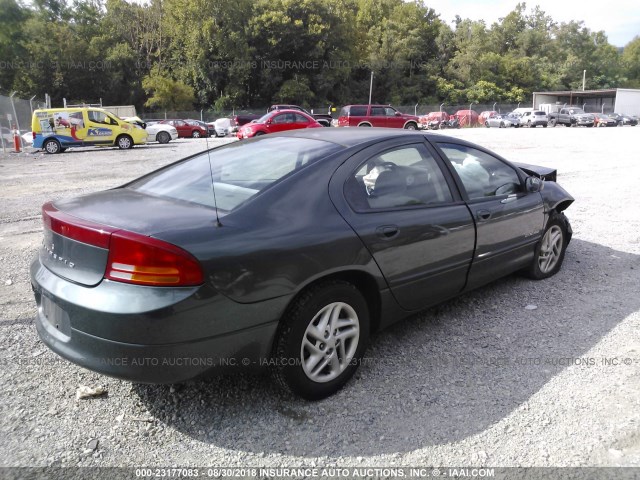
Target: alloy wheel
point(550, 249)
point(330, 342)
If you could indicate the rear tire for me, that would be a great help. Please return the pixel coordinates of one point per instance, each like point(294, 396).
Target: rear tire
point(321, 340)
point(550, 251)
point(486, 124)
point(52, 146)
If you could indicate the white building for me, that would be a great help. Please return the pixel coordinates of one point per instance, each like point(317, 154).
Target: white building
point(618, 100)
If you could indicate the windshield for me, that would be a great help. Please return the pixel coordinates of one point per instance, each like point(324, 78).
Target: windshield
point(263, 118)
point(240, 171)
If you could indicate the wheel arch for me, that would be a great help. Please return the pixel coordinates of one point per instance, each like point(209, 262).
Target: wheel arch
point(364, 124)
point(363, 281)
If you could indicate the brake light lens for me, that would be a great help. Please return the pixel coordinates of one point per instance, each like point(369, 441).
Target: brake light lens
point(142, 260)
point(133, 258)
point(76, 228)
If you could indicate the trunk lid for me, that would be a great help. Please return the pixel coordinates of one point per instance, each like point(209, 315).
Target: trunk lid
point(78, 231)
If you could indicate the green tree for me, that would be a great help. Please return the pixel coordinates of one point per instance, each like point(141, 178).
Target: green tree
point(631, 62)
point(167, 94)
point(13, 17)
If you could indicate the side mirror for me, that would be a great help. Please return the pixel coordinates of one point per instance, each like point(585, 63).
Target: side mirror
point(533, 184)
point(398, 114)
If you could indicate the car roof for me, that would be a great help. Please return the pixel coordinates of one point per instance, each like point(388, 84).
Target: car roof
point(350, 137)
point(366, 105)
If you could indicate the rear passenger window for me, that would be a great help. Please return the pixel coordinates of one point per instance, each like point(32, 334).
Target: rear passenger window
point(402, 177)
point(358, 111)
point(377, 111)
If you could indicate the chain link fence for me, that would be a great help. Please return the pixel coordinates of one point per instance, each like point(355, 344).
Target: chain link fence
point(15, 115)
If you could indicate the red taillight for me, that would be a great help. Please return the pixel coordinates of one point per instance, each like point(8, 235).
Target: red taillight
point(133, 258)
point(76, 228)
point(34, 135)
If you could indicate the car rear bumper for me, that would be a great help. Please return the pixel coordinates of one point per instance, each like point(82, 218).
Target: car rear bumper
point(152, 345)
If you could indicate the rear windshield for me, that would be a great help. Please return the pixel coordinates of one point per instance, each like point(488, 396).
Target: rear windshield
point(239, 171)
point(539, 113)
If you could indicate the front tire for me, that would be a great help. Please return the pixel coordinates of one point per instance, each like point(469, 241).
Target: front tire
point(549, 253)
point(411, 126)
point(195, 134)
point(321, 340)
point(163, 137)
point(124, 142)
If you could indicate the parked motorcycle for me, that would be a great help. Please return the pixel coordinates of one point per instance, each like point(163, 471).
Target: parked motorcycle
point(451, 123)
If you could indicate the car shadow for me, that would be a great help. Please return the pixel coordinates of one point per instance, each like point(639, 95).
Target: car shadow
point(440, 376)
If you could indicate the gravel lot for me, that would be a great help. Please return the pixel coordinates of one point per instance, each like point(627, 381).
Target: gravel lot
point(481, 380)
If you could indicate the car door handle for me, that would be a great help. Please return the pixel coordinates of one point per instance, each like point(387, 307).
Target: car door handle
point(387, 232)
point(483, 214)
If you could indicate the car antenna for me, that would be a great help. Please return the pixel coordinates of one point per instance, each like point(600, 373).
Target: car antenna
point(213, 183)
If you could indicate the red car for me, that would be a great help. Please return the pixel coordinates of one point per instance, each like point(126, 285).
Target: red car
point(187, 130)
point(376, 116)
point(604, 120)
point(277, 121)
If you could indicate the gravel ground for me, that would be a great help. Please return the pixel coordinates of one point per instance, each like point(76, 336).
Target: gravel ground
point(485, 379)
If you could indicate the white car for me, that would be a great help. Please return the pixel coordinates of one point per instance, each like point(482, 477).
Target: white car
point(27, 138)
point(156, 132)
point(534, 118)
point(223, 126)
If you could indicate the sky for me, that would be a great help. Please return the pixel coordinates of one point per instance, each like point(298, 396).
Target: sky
point(620, 19)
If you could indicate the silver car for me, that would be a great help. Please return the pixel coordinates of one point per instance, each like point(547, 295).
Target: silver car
point(534, 118)
point(500, 121)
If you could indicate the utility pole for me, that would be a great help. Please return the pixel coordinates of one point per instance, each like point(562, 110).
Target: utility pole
point(371, 87)
point(584, 78)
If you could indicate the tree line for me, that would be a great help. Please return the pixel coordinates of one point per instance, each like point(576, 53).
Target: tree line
point(183, 54)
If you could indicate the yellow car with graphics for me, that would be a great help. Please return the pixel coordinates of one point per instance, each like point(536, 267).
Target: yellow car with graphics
point(56, 129)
